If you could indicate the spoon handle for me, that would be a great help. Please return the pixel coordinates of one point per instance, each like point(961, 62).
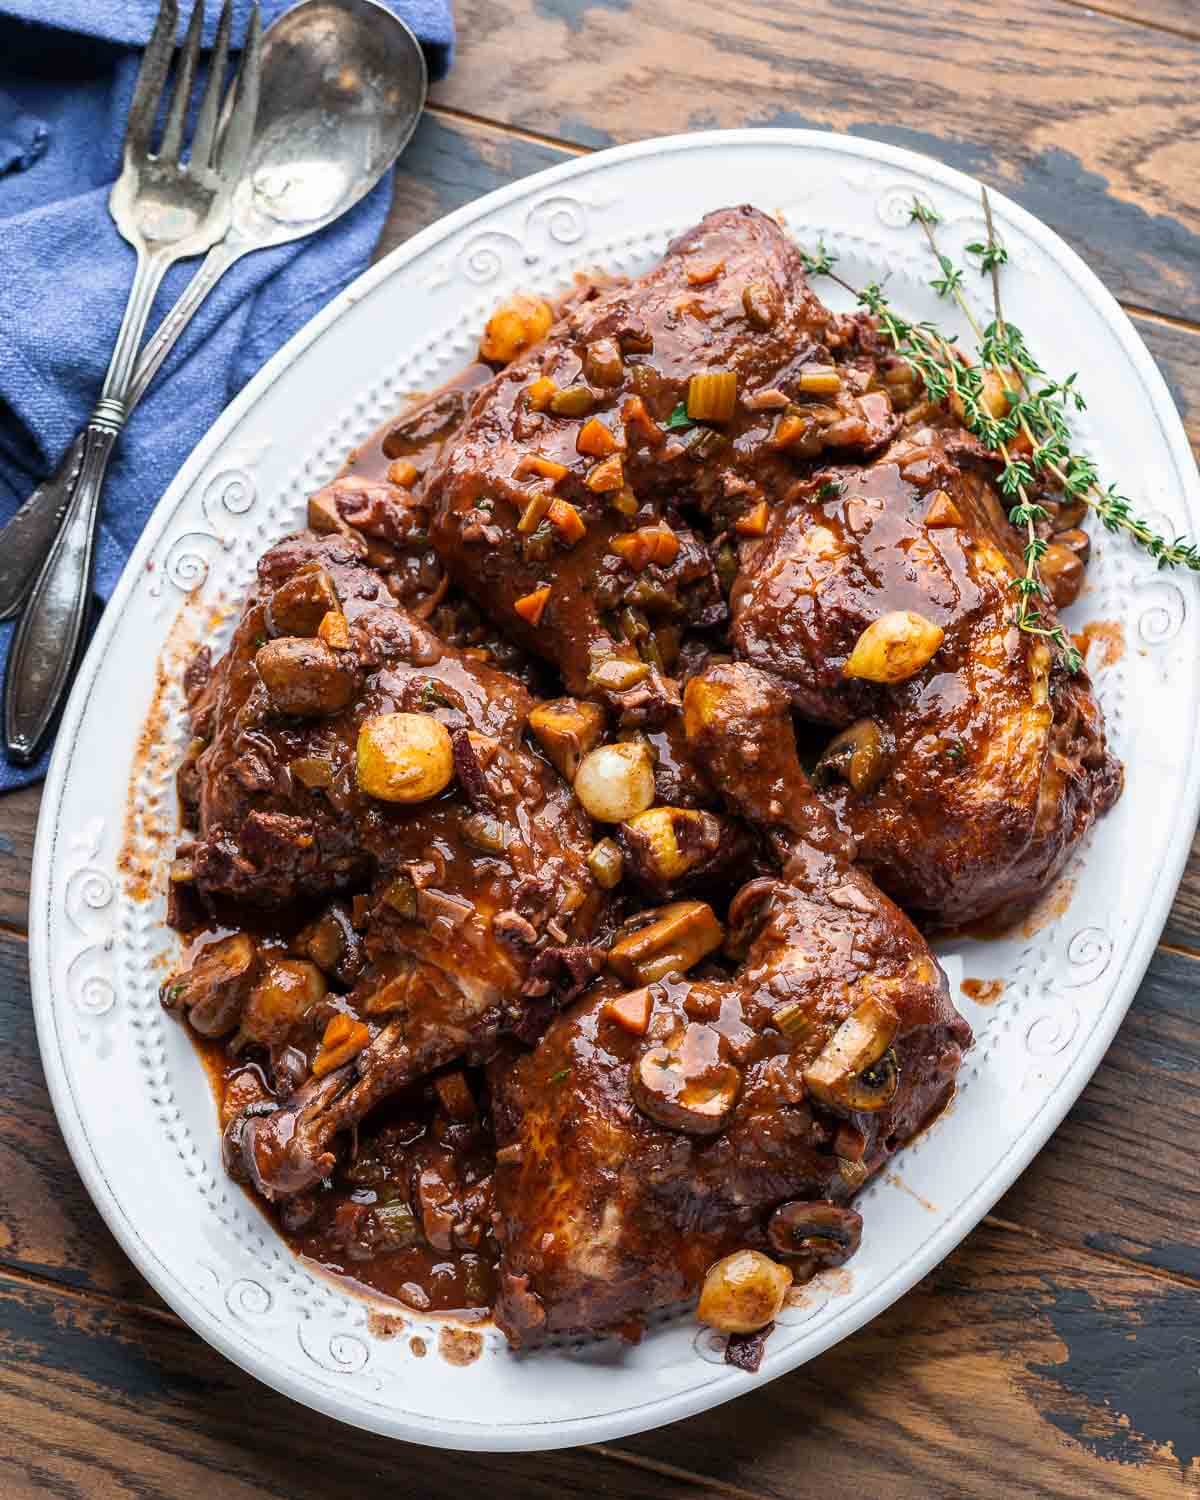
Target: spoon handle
point(44, 650)
point(28, 536)
point(163, 340)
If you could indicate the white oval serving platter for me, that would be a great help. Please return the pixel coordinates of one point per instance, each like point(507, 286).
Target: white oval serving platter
point(130, 1092)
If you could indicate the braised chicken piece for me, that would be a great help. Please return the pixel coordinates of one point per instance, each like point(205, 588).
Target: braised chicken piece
point(561, 502)
point(658, 1128)
point(346, 744)
point(501, 733)
point(971, 764)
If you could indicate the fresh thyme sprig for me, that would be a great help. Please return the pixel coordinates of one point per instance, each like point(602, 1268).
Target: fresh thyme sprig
point(1017, 477)
point(949, 376)
point(1032, 437)
point(1040, 415)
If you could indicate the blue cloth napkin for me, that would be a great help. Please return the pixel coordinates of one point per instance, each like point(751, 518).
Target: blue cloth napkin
point(67, 71)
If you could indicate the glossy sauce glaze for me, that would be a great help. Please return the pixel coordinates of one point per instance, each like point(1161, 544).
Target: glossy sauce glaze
point(357, 1224)
point(688, 501)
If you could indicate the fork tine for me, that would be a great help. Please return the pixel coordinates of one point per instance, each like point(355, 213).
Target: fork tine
point(152, 76)
point(242, 106)
point(172, 140)
point(206, 121)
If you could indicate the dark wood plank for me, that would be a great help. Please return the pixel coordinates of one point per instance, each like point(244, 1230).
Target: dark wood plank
point(1119, 1175)
point(1015, 1368)
point(1171, 15)
point(1183, 925)
point(104, 1401)
point(48, 1225)
point(1087, 120)
point(452, 162)
point(18, 823)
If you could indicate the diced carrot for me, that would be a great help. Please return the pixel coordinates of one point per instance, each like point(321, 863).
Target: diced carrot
point(404, 472)
point(699, 274)
point(344, 1038)
point(634, 414)
point(567, 519)
point(534, 513)
point(531, 606)
point(534, 463)
point(646, 545)
point(608, 474)
point(754, 522)
point(334, 630)
point(788, 430)
point(631, 1011)
point(595, 439)
point(541, 393)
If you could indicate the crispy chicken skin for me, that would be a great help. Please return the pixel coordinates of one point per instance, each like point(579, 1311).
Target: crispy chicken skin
point(729, 295)
point(607, 1215)
point(992, 763)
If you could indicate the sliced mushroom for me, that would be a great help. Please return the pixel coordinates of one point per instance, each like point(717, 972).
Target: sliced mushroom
point(214, 989)
point(858, 755)
point(303, 677)
point(685, 1083)
point(680, 935)
point(299, 605)
point(1077, 540)
point(748, 913)
point(856, 1068)
point(1062, 569)
point(824, 1232)
point(332, 944)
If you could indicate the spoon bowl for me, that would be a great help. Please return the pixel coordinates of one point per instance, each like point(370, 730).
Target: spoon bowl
point(343, 86)
point(343, 83)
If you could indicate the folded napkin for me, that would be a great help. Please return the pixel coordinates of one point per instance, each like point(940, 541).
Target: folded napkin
point(67, 70)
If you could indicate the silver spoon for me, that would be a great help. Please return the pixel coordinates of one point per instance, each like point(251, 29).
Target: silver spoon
point(342, 87)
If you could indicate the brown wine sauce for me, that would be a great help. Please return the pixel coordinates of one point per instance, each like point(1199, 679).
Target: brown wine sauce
point(378, 1170)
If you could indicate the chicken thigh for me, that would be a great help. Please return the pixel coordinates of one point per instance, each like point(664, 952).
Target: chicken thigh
point(561, 502)
point(344, 745)
point(653, 1131)
point(970, 770)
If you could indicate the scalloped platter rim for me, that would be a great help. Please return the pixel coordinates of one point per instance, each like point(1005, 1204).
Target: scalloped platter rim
point(130, 1092)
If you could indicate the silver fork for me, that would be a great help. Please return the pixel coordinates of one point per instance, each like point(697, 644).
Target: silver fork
point(168, 210)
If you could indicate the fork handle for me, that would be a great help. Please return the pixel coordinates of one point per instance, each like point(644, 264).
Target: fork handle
point(223, 254)
point(45, 648)
point(41, 660)
point(28, 536)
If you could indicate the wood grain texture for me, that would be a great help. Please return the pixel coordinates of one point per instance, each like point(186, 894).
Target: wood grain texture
point(1015, 1368)
point(104, 1401)
point(18, 824)
point(1056, 1352)
point(1087, 120)
point(1170, 15)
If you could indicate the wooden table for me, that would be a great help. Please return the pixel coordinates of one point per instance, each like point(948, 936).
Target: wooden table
point(1057, 1352)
